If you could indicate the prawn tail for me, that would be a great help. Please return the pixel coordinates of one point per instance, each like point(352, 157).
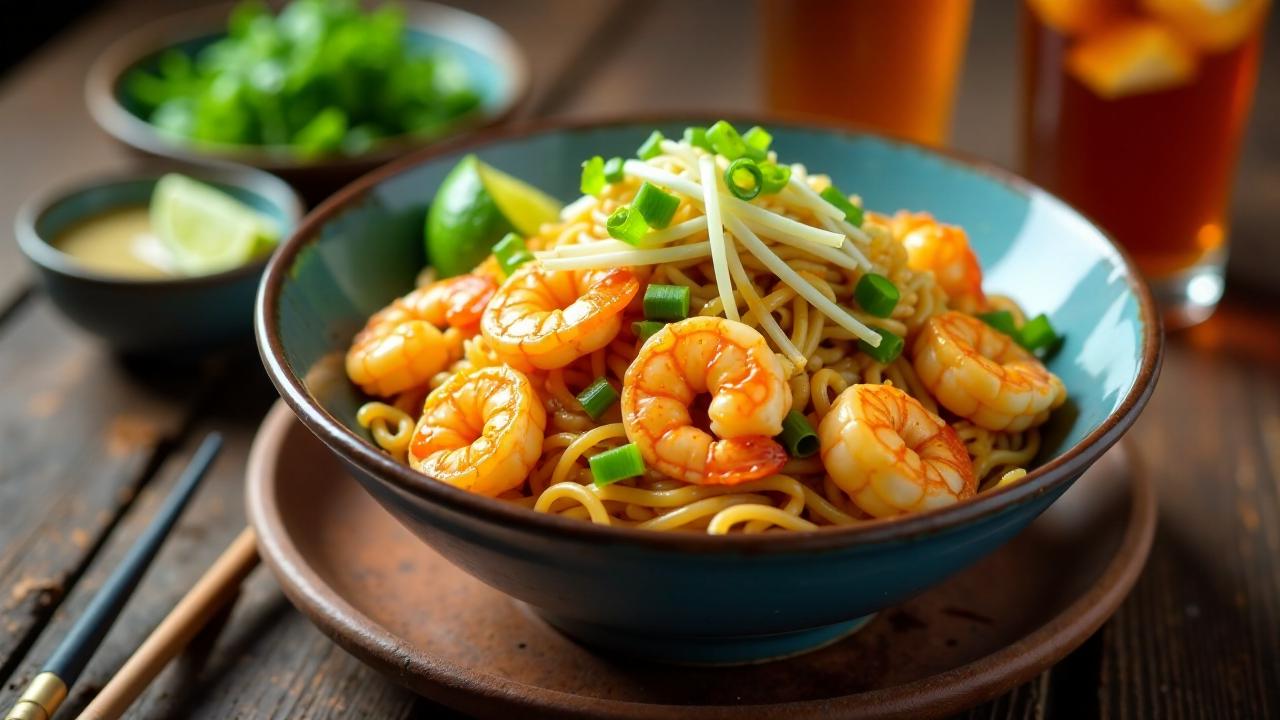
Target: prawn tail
point(742, 459)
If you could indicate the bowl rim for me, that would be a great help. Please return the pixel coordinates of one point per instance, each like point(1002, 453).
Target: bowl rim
point(107, 70)
point(1041, 480)
point(42, 252)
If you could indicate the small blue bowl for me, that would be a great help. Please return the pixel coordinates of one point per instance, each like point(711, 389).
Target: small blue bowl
point(693, 598)
point(150, 315)
point(490, 57)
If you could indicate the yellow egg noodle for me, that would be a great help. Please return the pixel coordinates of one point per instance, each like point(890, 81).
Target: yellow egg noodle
point(734, 260)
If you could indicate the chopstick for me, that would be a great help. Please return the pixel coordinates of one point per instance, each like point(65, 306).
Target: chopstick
point(49, 687)
point(212, 591)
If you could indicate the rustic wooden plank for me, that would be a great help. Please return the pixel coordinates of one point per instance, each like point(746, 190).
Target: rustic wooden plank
point(267, 661)
point(1202, 628)
point(78, 431)
point(559, 38)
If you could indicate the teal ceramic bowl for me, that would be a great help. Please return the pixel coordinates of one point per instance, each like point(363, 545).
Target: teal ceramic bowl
point(694, 598)
point(488, 55)
point(144, 315)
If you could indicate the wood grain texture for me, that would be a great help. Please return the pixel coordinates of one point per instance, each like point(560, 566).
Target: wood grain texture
point(78, 431)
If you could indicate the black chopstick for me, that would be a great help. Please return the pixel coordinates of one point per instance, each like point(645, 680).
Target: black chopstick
point(49, 688)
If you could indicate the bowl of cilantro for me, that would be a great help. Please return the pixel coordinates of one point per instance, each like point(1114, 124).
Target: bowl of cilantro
point(318, 93)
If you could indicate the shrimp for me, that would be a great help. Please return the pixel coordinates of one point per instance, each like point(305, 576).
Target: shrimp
point(979, 373)
point(891, 455)
point(480, 431)
point(749, 398)
point(545, 319)
point(417, 335)
point(944, 250)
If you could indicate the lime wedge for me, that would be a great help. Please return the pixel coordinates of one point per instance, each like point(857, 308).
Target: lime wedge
point(205, 229)
point(474, 207)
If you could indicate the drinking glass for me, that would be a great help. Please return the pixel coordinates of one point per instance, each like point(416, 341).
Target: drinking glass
point(888, 65)
point(1133, 111)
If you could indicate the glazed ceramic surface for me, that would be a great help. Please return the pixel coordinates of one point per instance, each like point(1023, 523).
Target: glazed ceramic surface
point(138, 315)
point(688, 597)
point(490, 57)
point(399, 606)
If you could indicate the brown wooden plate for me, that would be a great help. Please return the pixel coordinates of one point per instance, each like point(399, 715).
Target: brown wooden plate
point(393, 602)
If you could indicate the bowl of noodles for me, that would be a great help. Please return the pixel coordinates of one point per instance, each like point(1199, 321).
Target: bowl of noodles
point(750, 387)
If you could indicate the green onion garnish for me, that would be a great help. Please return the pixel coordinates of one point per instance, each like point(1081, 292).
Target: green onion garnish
point(656, 206)
point(725, 140)
point(758, 138)
point(697, 137)
point(613, 170)
point(645, 329)
point(598, 398)
point(592, 176)
point(852, 212)
point(744, 169)
point(652, 147)
point(1037, 334)
point(626, 225)
point(890, 347)
point(617, 464)
point(798, 436)
point(775, 177)
point(511, 252)
point(876, 294)
point(666, 302)
point(1001, 320)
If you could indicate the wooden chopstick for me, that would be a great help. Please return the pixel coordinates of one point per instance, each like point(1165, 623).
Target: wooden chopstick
point(211, 592)
point(49, 688)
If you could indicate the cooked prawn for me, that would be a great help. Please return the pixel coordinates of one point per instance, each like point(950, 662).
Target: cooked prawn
point(545, 319)
point(891, 455)
point(944, 250)
point(749, 398)
point(979, 373)
point(417, 335)
point(481, 431)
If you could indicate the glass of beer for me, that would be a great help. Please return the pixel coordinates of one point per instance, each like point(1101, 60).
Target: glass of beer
point(1133, 111)
point(888, 65)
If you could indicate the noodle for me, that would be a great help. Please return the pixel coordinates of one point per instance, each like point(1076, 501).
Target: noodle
point(784, 288)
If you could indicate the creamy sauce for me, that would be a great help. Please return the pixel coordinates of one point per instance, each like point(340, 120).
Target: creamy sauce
point(117, 242)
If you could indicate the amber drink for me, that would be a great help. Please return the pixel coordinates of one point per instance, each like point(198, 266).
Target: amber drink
point(888, 65)
point(1133, 111)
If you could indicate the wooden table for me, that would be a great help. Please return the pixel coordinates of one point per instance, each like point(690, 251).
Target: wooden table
point(90, 443)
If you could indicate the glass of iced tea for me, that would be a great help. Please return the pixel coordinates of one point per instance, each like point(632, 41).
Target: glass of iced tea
point(889, 65)
point(1133, 111)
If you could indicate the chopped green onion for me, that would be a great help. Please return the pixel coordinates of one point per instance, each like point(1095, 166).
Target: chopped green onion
point(511, 252)
point(890, 347)
point(697, 137)
point(645, 329)
point(775, 177)
point(798, 436)
point(666, 302)
point(656, 206)
point(1038, 334)
point(876, 294)
point(598, 398)
point(592, 176)
point(725, 140)
point(626, 225)
point(652, 147)
point(758, 138)
point(852, 212)
point(617, 464)
point(736, 170)
point(613, 170)
point(754, 153)
point(1001, 320)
